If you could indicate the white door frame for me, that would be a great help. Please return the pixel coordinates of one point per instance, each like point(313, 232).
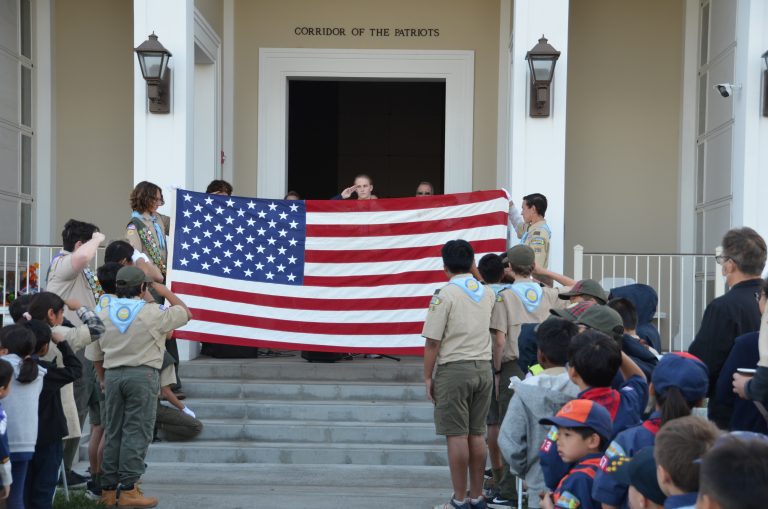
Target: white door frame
point(278, 65)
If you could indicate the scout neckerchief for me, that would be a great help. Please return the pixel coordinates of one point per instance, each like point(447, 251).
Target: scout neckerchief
point(544, 227)
point(587, 466)
point(605, 396)
point(90, 277)
point(530, 294)
point(152, 246)
point(123, 312)
point(470, 286)
point(497, 287)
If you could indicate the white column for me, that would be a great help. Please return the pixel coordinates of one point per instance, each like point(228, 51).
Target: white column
point(44, 221)
point(750, 130)
point(163, 145)
point(537, 150)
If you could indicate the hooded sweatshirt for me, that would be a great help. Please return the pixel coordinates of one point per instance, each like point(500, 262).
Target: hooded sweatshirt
point(521, 434)
point(21, 405)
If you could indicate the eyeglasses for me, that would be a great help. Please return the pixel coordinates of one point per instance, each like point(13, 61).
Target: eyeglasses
point(423, 193)
point(721, 259)
point(159, 200)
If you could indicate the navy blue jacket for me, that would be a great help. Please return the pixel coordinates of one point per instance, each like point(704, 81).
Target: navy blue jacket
point(739, 414)
point(646, 300)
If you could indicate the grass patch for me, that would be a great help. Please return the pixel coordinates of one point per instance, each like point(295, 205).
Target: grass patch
point(77, 500)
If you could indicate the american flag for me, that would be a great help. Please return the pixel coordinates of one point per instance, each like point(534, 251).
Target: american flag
point(326, 275)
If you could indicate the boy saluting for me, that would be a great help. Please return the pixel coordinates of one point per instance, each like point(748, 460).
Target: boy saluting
point(458, 340)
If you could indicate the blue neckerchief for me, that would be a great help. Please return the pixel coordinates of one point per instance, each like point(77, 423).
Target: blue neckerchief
point(158, 229)
point(529, 293)
point(123, 312)
point(544, 227)
point(497, 287)
point(471, 287)
point(103, 302)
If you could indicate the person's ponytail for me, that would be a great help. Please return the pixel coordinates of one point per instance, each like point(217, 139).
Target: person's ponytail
point(673, 405)
point(20, 340)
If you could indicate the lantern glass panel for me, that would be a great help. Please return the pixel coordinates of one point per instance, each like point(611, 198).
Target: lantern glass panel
point(152, 65)
point(542, 69)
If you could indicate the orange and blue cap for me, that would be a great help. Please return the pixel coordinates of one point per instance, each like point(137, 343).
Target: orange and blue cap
point(583, 413)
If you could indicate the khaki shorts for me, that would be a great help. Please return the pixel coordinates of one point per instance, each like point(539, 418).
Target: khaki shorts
point(463, 395)
point(508, 370)
point(493, 419)
point(96, 408)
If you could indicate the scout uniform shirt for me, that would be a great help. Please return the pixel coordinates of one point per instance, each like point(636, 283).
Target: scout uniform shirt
point(537, 236)
point(133, 236)
point(69, 283)
point(141, 342)
point(459, 322)
point(522, 302)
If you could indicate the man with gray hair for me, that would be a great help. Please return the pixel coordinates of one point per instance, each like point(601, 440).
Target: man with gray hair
point(732, 314)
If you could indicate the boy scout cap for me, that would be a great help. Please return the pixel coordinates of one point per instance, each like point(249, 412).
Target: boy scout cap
point(604, 319)
point(638, 471)
point(520, 255)
point(587, 287)
point(683, 371)
point(574, 311)
point(583, 413)
point(130, 276)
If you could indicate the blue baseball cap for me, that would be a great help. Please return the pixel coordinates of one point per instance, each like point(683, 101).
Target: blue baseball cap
point(583, 413)
point(639, 471)
point(684, 371)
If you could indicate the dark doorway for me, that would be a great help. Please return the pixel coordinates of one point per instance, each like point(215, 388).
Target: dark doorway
point(392, 131)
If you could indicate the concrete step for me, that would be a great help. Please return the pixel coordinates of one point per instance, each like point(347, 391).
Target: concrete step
point(298, 411)
point(302, 390)
point(203, 451)
point(337, 432)
point(409, 370)
point(246, 486)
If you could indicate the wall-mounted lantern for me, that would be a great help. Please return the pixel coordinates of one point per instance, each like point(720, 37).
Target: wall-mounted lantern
point(541, 60)
point(765, 85)
point(153, 60)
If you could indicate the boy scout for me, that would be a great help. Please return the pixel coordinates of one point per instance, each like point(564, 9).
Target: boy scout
point(531, 227)
point(458, 341)
point(132, 350)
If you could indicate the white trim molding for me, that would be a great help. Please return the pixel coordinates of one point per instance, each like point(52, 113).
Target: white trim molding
point(278, 65)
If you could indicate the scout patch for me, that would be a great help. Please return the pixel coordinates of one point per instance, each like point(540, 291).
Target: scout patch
point(123, 312)
point(529, 293)
point(614, 453)
point(568, 499)
point(471, 287)
point(103, 302)
point(537, 241)
point(435, 301)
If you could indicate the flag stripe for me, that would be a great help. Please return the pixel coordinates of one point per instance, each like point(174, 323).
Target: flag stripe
point(382, 230)
point(395, 204)
point(190, 291)
point(403, 216)
point(420, 276)
point(292, 345)
point(332, 329)
point(398, 254)
point(399, 314)
point(404, 241)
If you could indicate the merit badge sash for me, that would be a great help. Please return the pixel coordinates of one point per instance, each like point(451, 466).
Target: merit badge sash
point(123, 312)
point(529, 293)
point(471, 287)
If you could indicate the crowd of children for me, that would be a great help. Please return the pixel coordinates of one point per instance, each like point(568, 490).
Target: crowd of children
point(124, 337)
point(599, 418)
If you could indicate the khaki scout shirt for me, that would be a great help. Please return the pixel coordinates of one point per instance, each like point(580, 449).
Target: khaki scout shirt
point(69, 283)
point(538, 240)
point(509, 314)
point(132, 235)
point(460, 324)
point(143, 342)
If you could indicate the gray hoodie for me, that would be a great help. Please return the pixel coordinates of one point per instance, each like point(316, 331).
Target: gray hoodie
point(521, 434)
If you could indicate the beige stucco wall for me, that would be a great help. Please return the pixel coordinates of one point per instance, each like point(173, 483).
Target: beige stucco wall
point(463, 25)
point(213, 13)
point(623, 126)
point(93, 102)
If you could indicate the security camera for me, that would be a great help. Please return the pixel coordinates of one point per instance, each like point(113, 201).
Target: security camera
point(725, 89)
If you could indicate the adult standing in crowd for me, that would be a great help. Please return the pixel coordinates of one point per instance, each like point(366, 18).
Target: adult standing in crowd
point(425, 189)
point(531, 227)
point(362, 189)
point(71, 278)
point(147, 232)
point(732, 314)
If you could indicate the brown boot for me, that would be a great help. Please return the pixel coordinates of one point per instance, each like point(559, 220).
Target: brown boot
point(135, 499)
point(109, 497)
